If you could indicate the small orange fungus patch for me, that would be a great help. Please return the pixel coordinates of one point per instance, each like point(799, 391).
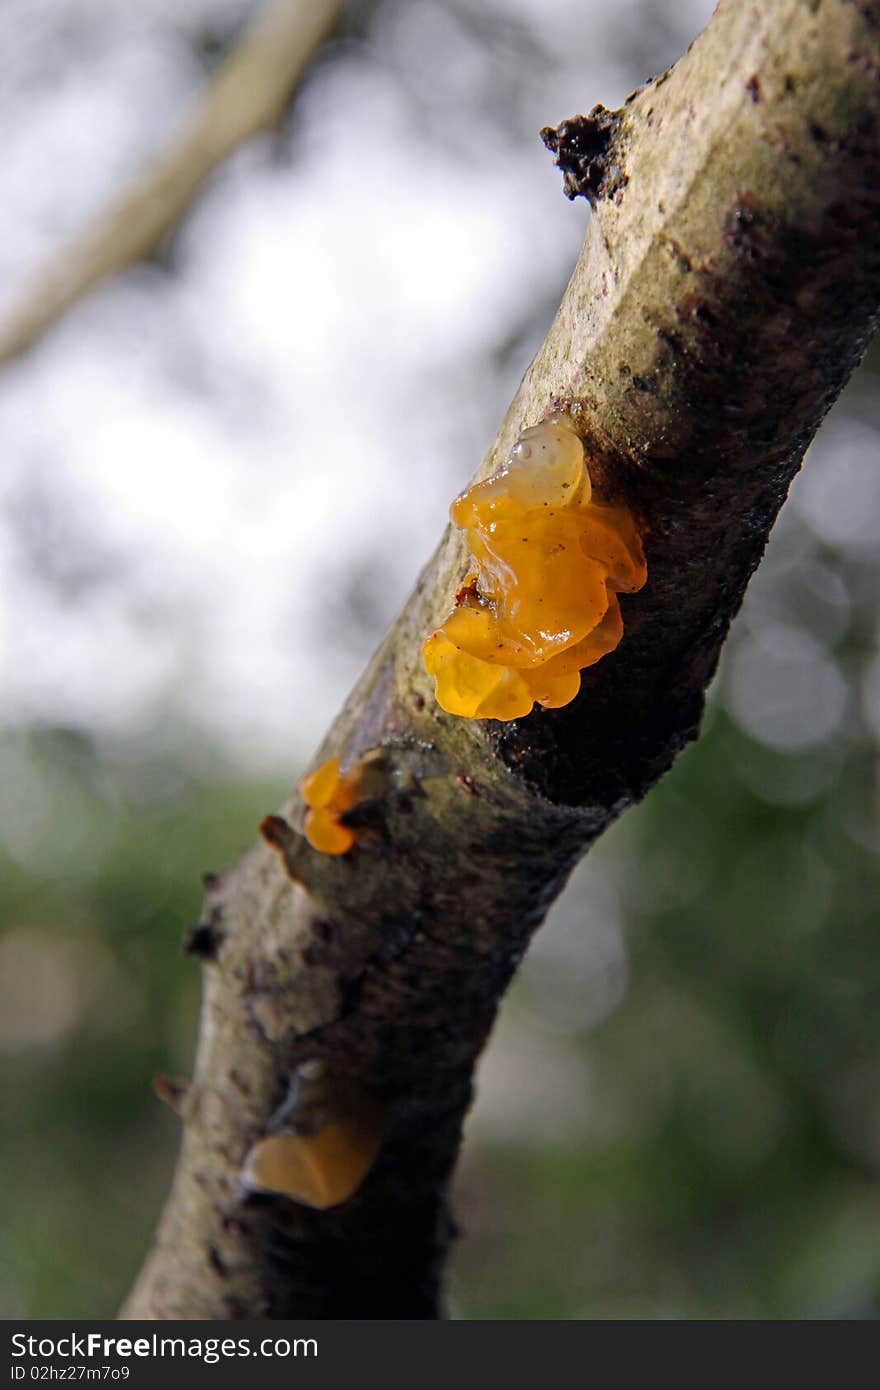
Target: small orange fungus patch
point(320, 1170)
point(540, 602)
point(329, 793)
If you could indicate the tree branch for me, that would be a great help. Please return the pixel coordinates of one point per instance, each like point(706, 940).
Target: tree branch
point(728, 285)
point(247, 94)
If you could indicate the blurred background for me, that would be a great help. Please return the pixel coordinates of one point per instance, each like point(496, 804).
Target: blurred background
point(221, 473)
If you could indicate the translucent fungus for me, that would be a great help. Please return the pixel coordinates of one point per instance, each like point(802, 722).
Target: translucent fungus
point(540, 602)
point(320, 1169)
point(329, 793)
point(322, 1141)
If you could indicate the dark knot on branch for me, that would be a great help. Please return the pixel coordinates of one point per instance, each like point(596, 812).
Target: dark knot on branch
point(584, 148)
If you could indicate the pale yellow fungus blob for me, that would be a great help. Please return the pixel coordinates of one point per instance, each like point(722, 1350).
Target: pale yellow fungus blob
point(540, 602)
point(329, 793)
point(322, 1169)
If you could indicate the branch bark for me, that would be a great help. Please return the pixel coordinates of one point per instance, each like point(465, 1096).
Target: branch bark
point(728, 285)
point(246, 95)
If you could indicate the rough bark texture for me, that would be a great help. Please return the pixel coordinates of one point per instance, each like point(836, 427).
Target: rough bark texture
point(728, 285)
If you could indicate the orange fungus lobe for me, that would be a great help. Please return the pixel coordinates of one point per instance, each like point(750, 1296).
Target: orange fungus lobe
point(329, 792)
point(319, 1170)
point(540, 602)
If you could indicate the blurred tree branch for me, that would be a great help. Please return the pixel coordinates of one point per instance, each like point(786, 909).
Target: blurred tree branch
point(728, 285)
point(247, 94)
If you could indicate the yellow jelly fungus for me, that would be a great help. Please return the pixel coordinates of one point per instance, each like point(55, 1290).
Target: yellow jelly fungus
point(329, 792)
point(540, 601)
point(319, 1170)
